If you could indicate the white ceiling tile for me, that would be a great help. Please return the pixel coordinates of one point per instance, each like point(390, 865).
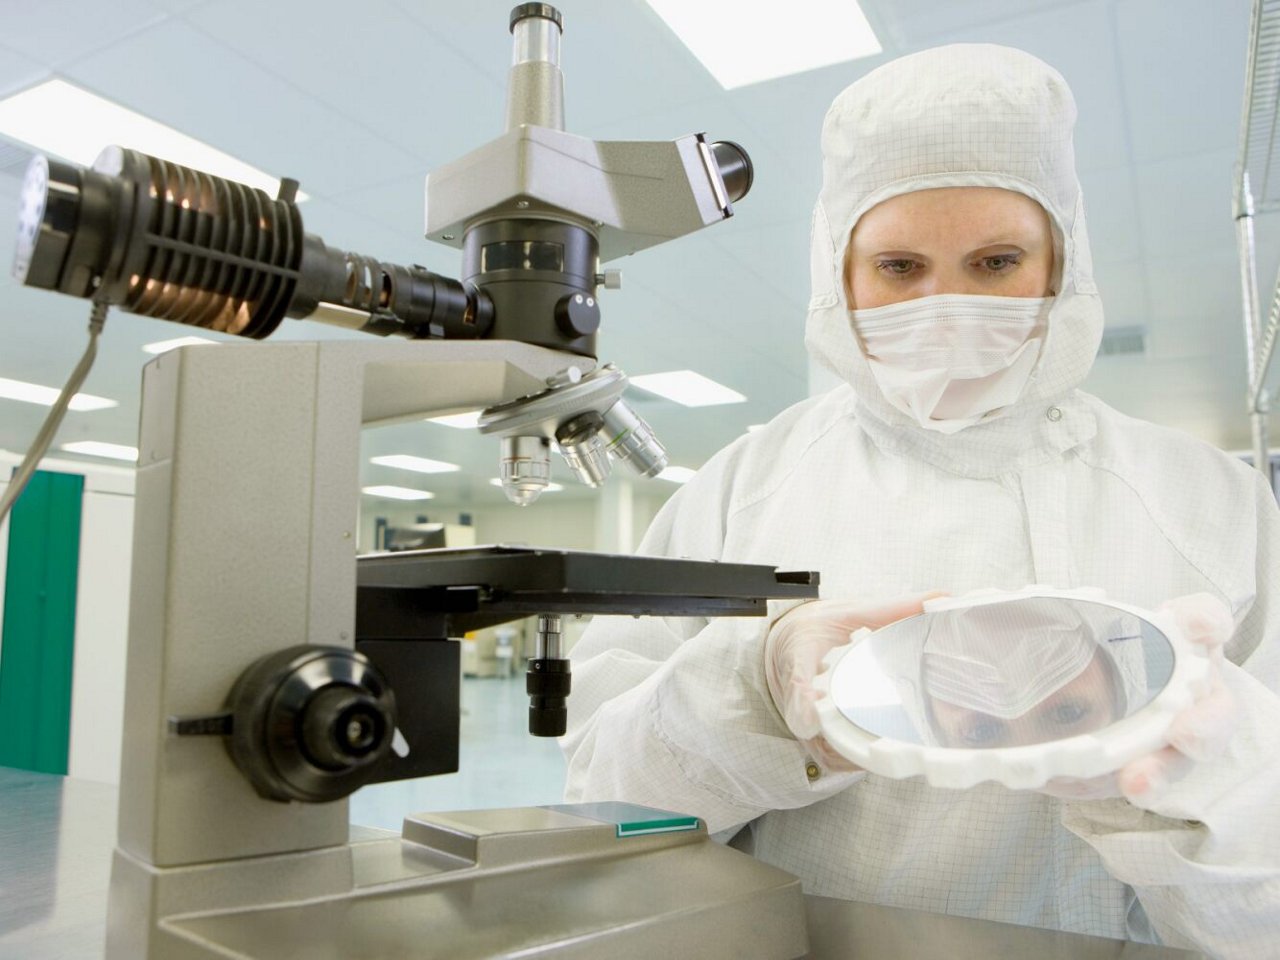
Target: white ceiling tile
point(1182, 68)
point(777, 254)
point(377, 67)
point(1111, 214)
point(913, 23)
point(18, 71)
point(57, 32)
point(1184, 204)
point(361, 104)
point(238, 107)
point(1123, 287)
point(787, 113)
point(1197, 319)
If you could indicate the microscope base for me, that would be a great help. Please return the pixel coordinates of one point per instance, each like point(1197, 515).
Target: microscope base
point(586, 880)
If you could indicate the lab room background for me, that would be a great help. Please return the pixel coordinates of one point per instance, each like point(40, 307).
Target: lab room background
point(360, 106)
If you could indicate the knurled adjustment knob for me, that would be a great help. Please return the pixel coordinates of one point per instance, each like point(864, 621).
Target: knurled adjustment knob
point(578, 315)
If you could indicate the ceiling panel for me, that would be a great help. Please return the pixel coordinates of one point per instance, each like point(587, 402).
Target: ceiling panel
point(361, 102)
point(1182, 74)
point(382, 70)
point(57, 32)
point(1122, 284)
point(915, 23)
point(1184, 204)
point(1111, 214)
point(1201, 319)
point(234, 104)
point(19, 71)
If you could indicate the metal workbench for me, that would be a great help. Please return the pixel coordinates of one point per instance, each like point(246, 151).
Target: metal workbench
point(56, 837)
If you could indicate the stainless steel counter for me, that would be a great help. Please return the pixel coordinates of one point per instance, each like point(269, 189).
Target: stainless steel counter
point(56, 837)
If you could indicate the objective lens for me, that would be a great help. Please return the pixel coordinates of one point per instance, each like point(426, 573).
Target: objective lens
point(632, 440)
point(583, 448)
point(526, 468)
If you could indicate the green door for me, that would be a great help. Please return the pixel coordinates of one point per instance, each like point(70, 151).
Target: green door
point(38, 643)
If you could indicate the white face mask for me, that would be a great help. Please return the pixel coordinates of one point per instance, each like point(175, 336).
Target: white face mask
point(952, 360)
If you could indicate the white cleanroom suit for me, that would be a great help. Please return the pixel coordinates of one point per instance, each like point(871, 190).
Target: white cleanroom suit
point(1056, 489)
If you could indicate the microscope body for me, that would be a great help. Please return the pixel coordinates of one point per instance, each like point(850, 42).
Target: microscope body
point(251, 710)
point(245, 546)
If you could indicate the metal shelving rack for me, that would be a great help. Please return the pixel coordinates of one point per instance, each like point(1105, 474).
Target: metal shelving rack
point(1258, 165)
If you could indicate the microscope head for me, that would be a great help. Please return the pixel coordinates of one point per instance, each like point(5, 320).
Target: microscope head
point(535, 213)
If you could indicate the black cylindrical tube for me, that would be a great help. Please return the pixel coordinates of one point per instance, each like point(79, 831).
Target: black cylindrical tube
point(527, 267)
point(548, 683)
point(166, 241)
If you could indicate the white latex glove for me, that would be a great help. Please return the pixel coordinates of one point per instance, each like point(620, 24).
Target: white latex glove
point(793, 654)
point(1200, 732)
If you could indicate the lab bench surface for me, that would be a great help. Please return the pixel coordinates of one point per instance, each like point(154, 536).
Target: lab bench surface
point(57, 834)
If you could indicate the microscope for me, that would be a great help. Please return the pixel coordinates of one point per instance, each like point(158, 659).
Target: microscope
point(271, 672)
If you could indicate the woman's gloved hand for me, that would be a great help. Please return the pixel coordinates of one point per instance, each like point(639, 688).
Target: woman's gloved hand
point(795, 648)
point(1200, 732)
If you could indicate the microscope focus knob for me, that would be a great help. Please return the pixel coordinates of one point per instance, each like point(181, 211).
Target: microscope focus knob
point(578, 315)
point(310, 723)
point(341, 725)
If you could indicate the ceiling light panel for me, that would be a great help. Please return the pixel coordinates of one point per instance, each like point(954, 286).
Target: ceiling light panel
point(459, 421)
point(687, 388)
point(164, 346)
point(741, 43)
point(62, 119)
point(402, 461)
point(397, 493)
point(47, 396)
point(95, 448)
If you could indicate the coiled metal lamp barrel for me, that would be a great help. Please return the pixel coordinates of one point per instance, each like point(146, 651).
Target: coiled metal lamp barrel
point(163, 240)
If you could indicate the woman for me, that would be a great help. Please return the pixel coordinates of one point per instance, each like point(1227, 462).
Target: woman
point(953, 293)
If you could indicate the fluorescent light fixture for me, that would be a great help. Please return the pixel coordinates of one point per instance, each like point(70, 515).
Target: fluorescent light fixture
point(743, 43)
point(397, 493)
point(59, 118)
point(94, 448)
point(46, 396)
point(164, 346)
point(550, 487)
point(689, 388)
point(403, 461)
point(677, 474)
point(459, 421)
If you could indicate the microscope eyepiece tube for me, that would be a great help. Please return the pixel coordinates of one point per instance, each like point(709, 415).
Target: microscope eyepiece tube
point(543, 11)
point(535, 87)
point(536, 35)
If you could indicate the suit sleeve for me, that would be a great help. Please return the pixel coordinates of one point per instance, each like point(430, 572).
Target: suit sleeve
point(676, 713)
point(1205, 859)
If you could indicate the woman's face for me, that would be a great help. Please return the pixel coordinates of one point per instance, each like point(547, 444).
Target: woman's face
point(957, 240)
point(1087, 703)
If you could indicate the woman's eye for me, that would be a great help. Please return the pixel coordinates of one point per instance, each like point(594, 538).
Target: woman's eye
point(982, 733)
point(896, 268)
point(1069, 713)
point(1001, 264)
